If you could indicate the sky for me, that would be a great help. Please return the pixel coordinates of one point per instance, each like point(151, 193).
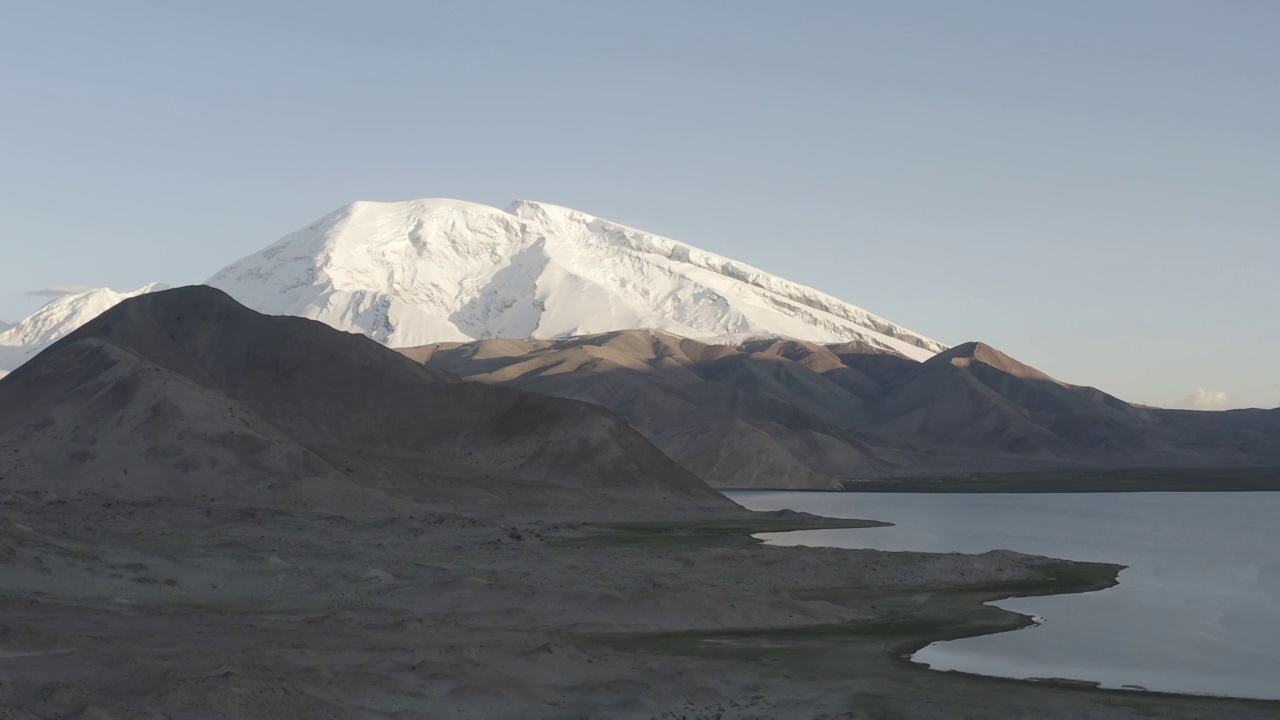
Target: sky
point(1092, 187)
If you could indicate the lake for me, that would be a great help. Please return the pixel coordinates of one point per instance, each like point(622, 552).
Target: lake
point(1197, 610)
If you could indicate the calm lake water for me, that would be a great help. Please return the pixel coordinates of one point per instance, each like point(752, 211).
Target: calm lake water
point(1196, 611)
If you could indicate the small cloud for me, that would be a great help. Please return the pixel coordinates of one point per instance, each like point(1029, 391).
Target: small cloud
point(1203, 399)
point(57, 290)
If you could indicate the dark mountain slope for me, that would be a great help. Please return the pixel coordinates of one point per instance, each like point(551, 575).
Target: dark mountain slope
point(187, 392)
point(974, 396)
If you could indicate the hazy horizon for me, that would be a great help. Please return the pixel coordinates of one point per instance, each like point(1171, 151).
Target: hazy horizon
point(1087, 187)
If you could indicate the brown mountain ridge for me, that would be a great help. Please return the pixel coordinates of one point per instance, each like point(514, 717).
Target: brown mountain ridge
point(792, 414)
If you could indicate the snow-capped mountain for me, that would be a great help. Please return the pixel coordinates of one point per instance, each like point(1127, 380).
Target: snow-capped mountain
point(22, 341)
point(423, 271)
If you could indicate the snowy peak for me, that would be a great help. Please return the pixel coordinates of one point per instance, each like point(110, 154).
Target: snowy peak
point(56, 319)
point(435, 270)
point(637, 241)
point(65, 314)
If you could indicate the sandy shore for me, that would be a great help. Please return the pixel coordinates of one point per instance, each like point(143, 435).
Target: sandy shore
point(113, 609)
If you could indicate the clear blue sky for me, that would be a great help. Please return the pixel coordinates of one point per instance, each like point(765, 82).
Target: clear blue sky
point(1093, 187)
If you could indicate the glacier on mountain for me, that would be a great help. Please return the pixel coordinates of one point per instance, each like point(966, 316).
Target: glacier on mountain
point(423, 271)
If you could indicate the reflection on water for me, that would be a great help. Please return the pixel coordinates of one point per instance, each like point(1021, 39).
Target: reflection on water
point(1196, 611)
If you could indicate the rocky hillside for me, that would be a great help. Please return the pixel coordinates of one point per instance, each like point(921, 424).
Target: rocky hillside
point(785, 413)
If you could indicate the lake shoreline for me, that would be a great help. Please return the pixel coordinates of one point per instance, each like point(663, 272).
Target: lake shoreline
point(516, 616)
point(895, 622)
point(1140, 636)
point(1124, 480)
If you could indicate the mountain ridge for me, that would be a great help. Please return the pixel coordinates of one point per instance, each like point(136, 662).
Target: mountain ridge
point(186, 393)
point(791, 414)
point(979, 352)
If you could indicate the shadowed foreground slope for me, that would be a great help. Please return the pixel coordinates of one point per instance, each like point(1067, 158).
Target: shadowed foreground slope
point(187, 393)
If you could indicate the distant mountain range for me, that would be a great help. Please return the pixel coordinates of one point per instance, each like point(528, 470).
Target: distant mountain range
point(787, 413)
point(745, 378)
